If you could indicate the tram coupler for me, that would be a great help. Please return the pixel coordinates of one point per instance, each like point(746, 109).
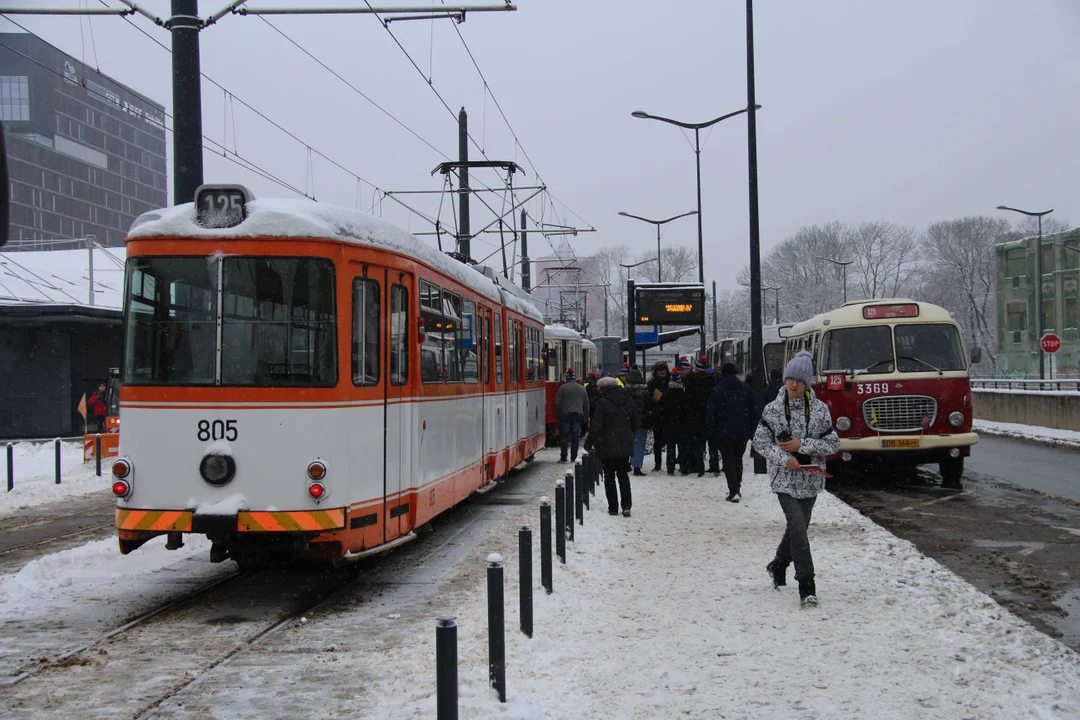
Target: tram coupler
point(174, 541)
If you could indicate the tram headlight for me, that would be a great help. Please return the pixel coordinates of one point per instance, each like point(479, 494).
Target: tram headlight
point(843, 424)
point(217, 469)
point(956, 419)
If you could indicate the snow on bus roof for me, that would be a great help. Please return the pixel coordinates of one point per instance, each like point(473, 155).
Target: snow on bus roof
point(588, 344)
point(851, 314)
point(289, 218)
point(559, 331)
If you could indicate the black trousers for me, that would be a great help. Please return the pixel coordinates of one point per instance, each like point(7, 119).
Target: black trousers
point(658, 443)
point(714, 457)
point(795, 545)
point(617, 467)
point(731, 451)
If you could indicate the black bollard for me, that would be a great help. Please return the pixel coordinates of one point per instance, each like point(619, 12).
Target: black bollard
point(97, 452)
point(560, 522)
point(446, 668)
point(10, 466)
point(594, 473)
point(496, 626)
point(57, 461)
point(579, 499)
point(545, 544)
point(570, 491)
point(525, 579)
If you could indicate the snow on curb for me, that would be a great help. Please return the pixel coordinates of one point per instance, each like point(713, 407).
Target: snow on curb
point(35, 475)
point(670, 613)
point(1034, 433)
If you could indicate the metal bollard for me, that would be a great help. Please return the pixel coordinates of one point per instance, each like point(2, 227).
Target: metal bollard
point(579, 500)
point(545, 544)
point(560, 522)
point(570, 490)
point(496, 626)
point(594, 473)
point(10, 467)
point(446, 668)
point(525, 579)
point(97, 452)
point(57, 461)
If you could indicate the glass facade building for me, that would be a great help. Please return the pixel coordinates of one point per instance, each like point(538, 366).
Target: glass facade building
point(86, 154)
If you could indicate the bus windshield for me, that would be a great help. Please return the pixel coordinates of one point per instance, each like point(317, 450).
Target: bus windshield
point(277, 322)
point(774, 358)
point(858, 350)
point(923, 348)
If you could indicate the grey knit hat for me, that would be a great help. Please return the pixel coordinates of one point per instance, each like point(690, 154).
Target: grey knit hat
point(801, 367)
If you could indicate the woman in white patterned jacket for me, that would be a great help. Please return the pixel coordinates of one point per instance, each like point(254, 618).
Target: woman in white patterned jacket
point(796, 431)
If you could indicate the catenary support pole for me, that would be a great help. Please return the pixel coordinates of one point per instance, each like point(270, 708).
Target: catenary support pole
point(496, 626)
point(757, 360)
point(446, 675)
point(526, 269)
point(631, 339)
point(715, 335)
point(187, 101)
point(464, 238)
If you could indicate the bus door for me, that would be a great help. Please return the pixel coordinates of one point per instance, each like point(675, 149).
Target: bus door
point(399, 450)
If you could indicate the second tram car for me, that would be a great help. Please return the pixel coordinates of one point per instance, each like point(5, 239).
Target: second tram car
point(895, 377)
point(564, 349)
point(309, 381)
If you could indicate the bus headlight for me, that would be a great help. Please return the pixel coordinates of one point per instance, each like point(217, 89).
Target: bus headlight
point(217, 469)
point(843, 424)
point(956, 419)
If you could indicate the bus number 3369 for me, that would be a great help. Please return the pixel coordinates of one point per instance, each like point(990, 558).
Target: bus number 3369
point(873, 388)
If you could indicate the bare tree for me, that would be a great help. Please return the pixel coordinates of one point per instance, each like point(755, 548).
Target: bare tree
point(1029, 226)
point(883, 255)
point(679, 265)
point(809, 285)
point(960, 274)
point(611, 273)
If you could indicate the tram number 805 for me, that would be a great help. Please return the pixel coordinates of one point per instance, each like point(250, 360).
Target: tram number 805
point(217, 430)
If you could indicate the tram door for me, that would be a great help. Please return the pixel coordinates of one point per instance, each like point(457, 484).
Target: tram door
point(400, 449)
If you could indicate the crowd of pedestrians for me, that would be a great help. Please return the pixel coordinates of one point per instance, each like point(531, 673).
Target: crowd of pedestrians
point(701, 421)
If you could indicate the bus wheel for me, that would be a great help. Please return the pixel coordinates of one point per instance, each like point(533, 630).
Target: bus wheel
point(951, 469)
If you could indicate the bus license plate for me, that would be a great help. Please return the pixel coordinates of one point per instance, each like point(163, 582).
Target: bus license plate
point(900, 443)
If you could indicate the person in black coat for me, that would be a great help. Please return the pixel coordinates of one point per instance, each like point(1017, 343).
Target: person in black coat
point(615, 421)
point(732, 416)
point(698, 387)
point(657, 387)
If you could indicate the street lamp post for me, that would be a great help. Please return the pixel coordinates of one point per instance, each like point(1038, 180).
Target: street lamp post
point(843, 264)
point(657, 223)
point(697, 128)
point(1039, 318)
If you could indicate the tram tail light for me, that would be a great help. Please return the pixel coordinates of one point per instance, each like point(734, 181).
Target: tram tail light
point(121, 488)
point(316, 470)
point(316, 490)
point(121, 468)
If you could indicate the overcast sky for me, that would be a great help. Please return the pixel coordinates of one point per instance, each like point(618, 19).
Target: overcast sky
point(913, 112)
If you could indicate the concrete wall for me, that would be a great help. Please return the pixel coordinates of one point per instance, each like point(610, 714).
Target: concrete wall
point(1048, 409)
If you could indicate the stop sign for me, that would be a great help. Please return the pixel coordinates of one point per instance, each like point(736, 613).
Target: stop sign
point(1050, 343)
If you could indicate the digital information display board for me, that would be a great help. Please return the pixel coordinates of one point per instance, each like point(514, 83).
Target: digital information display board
point(670, 305)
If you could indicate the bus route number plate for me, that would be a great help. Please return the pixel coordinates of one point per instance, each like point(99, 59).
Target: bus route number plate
point(913, 443)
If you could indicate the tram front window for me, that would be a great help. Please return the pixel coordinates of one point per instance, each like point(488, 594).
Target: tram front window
point(858, 350)
point(277, 322)
point(172, 321)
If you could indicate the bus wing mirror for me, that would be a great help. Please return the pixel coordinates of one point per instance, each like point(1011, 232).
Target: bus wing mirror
point(976, 355)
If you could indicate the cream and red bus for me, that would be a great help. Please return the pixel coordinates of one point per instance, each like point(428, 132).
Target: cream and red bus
point(895, 377)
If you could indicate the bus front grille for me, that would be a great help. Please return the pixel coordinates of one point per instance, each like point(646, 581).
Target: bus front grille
point(900, 413)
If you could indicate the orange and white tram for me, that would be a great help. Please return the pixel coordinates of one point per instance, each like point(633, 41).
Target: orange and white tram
point(308, 380)
point(562, 352)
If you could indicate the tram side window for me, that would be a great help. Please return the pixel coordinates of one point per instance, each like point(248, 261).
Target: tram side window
point(467, 341)
point(399, 335)
point(432, 369)
point(278, 322)
point(498, 349)
point(531, 360)
point(451, 333)
point(365, 332)
point(171, 321)
point(513, 350)
point(483, 335)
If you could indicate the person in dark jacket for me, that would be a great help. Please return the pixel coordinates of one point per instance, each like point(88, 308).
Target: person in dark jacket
point(731, 418)
point(657, 388)
point(673, 413)
point(698, 386)
point(572, 405)
point(635, 385)
point(615, 421)
point(98, 410)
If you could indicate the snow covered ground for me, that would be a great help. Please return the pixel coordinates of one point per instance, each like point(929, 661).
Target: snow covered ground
point(35, 475)
point(1051, 436)
point(670, 614)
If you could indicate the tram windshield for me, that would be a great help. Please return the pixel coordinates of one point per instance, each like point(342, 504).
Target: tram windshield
point(918, 348)
point(277, 322)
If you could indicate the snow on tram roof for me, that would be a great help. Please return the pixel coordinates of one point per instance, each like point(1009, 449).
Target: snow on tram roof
point(288, 218)
point(559, 331)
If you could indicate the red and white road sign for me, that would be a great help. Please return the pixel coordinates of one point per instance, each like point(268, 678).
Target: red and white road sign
point(1050, 343)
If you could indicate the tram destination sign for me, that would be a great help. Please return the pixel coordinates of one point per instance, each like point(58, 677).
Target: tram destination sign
point(670, 304)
